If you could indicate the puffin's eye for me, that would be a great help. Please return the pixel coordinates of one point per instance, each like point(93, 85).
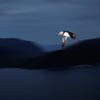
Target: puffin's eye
point(74, 36)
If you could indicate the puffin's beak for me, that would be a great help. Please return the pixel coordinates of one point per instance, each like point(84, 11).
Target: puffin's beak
point(74, 36)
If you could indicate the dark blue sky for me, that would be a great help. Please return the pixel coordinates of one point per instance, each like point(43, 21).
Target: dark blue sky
point(41, 20)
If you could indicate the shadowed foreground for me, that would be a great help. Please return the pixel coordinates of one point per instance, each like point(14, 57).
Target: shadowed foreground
point(72, 84)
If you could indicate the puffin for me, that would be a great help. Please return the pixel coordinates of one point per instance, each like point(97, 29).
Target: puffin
point(65, 35)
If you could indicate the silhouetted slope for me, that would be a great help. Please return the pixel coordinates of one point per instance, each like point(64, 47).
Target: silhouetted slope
point(13, 51)
point(6, 55)
point(85, 52)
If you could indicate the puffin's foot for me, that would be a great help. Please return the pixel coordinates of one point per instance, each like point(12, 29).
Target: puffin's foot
point(63, 44)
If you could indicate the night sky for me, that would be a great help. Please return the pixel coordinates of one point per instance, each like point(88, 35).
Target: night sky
point(41, 20)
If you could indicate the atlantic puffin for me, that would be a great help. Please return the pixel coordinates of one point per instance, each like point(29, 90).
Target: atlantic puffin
point(65, 35)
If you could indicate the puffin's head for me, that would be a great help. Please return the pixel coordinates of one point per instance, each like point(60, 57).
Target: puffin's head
point(72, 35)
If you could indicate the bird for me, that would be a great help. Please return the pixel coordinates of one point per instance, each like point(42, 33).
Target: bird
point(65, 35)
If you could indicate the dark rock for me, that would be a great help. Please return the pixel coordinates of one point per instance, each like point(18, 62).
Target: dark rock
point(86, 52)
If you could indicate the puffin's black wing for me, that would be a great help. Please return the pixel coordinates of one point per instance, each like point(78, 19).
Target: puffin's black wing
point(72, 35)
